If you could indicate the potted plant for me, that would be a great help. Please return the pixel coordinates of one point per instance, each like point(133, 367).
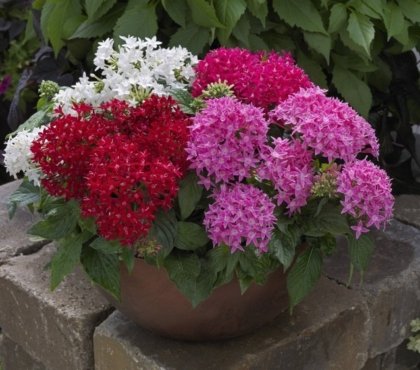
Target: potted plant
point(189, 189)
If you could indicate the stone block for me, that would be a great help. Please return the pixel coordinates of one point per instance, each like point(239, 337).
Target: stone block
point(385, 361)
point(407, 209)
point(14, 239)
point(391, 285)
point(13, 357)
point(328, 331)
point(54, 327)
point(406, 359)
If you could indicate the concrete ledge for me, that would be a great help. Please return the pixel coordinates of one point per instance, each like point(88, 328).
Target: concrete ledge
point(330, 330)
point(55, 328)
point(14, 239)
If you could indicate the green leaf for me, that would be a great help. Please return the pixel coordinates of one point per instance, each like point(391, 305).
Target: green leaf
point(192, 278)
point(100, 27)
point(303, 275)
point(204, 14)
point(229, 12)
point(223, 263)
point(103, 269)
point(38, 119)
point(242, 29)
point(60, 222)
point(257, 43)
point(192, 37)
point(411, 9)
point(354, 62)
point(139, 20)
point(283, 246)
point(27, 193)
point(371, 8)
point(88, 224)
point(360, 251)
point(338, 17)
point(164, 231)
point(356, 92)
point(189, 194)
point(128, 258)
point(328, 221)
point(302, 14)
point(313, 69)
point(95, 9)
point(320, 43)
point(106, 246)
point(259, 9)
point(361, 30)
point(393, 19)
point(190, 236)
point(177, 10)
point(67, 257)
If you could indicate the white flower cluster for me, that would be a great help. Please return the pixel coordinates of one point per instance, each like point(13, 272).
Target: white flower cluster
point(131, 73)
point(17, 155)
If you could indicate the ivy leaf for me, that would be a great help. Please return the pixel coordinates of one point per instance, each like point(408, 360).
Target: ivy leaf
point(192, 37)
point(67, 257)
point(99, 27)
point(360, 251)
point(320, 43)
point(361, 30)
point(371, 8)
point(303, 275)
point(204, 14)
point(192, 278)
point(411, 9)
point(229, 13)
point(177, 10)
point(393, 20)
point(338, 17)
point(60, 222)
point(103, 269)
point(242, 29)
point(95, 9)
point(259, 9)
point(189, 194)
point(312, 68)
point(164, 231)
point(302, 14)
point(190, 236)
point(27, 193)
point(356, 92)
point(139, 20)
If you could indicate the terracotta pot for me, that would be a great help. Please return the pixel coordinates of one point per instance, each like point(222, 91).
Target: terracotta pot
point(150, 299)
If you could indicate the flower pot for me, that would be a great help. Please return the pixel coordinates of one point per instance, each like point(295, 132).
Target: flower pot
point(153, 301)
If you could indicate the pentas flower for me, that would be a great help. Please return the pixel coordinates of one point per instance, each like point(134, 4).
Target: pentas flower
point(18, 157)
point(226, 138)
point(241, 215)
point(288, 165)
point(327, 125)
point(261, 79)
point(366, 191)
point(126, 186)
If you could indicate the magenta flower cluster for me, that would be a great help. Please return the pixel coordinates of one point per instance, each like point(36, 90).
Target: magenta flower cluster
point(225, 141)
point(262, 79)
point(367, 197)
point(240, 215)
point(330, 127)
point(289, 167)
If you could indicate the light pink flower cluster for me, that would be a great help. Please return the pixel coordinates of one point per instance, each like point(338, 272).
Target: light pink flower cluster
point(240, 213)
point(261, 79)
point(289, 167)
point(327, 125)
point(367, 195)
point(225, 141)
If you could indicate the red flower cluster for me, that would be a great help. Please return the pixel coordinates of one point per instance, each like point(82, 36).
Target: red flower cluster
point(122, 163)
point(262, 79)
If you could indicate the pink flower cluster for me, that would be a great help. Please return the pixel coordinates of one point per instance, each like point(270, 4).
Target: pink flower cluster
point(240, 213)
point(262, 79)
point(289, 167)
point(327, 125)
point(367, 197)
point(225, 141)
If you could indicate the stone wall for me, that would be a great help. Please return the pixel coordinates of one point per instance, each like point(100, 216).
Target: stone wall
point(336, 327)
